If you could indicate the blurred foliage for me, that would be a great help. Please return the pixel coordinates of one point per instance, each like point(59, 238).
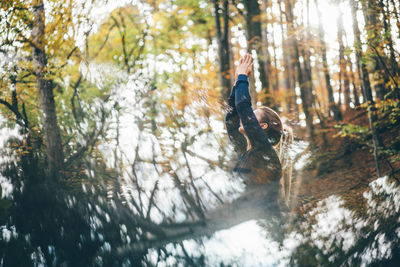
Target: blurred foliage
point(388, 112)
point(390, 109)
point(352, 131)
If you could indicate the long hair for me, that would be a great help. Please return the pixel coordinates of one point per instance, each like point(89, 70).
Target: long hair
point(281, 137)
point(287, 166)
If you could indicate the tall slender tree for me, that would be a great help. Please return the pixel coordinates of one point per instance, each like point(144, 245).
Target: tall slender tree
point(306, 98)
point(361, 66)
point(374, 28)
point(365, 85)
point(393, 65)
point(354, 82)
point(255, 39)
point(305, 49)
point(332, 104)
point(288, 74)
point(44, 83)
point(344, 81)
point(223, 35)
point(265, 24)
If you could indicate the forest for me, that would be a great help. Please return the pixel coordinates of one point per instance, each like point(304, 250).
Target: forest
point(114, 149)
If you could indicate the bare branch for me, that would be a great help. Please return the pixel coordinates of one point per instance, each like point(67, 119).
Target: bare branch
point(256, 203)
point(151, 200)
point(90, 141)
point(68, 57)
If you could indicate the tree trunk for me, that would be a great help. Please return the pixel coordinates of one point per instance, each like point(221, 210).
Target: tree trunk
point(332, 105)
point(366, 88)
point(275, 68)
point(373, 27)
point(223, 47)
point(306, 54)
point(54, 149)
point(354, 83)
point(254, 42)
point(289, 76)
point(306, 98)
point(344, 81)
point(272, 71)
point(394, 67)
point(322, 96)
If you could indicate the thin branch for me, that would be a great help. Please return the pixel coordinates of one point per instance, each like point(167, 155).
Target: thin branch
point(237, 8)
point(186, 196)
point(212, 191)
point(72, 100)
point(68, 57)
point(384, 64)
point(90, 142)
point(105, 41)
point(151, 200)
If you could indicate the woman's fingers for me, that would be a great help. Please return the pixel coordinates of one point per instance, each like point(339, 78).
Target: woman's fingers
point(243, 59)
point(249, 69)
point(247, 58)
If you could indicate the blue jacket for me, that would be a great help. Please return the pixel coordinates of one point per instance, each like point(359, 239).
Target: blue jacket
point(260, 164)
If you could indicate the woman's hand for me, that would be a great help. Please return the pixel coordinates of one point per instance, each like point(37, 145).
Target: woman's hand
point(245, 66)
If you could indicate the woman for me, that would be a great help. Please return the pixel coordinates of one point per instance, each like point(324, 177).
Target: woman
point(253, 133)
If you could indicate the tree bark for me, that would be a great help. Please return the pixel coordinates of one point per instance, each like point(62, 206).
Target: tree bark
point(223, 47)
point(54, 151)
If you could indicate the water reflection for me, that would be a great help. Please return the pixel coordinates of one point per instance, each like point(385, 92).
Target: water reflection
point(166, 196)
point(330, 233)
point(242, 245)
point(365, 235)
